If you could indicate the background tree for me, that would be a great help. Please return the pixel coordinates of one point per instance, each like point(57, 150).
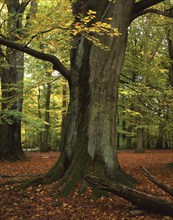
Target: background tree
point(34, 109)
point(12, 72)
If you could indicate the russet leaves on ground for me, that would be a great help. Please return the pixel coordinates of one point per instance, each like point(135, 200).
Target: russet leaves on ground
point(35, 203)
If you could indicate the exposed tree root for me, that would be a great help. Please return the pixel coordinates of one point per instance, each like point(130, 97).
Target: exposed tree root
point(69, 181)
point(170, 165)
point(11, 182)
point(31, 182)
point(16, 176)
point(53, 175)
point(140, 199)
point(61, 181)
point(153, 179)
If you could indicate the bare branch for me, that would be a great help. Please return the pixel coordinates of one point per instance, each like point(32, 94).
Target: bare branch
point(136, 197)
point(153, 179)
point(2, 6)
point(57, 64)
point(144, 4)
point(154, 11)
point(3, 55)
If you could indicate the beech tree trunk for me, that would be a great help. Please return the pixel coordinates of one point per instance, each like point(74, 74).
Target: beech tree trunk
point(39, 116)
point(170, 50)
point(90, 140)
point(140, 140)
point(12, 92)
point(159, 144)
point(64, 113)
point(12, 79)
point(45, 145)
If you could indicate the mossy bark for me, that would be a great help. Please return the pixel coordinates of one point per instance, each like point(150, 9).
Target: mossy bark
point(89, 144)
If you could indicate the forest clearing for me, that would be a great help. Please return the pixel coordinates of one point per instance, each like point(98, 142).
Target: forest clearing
point(35, 203)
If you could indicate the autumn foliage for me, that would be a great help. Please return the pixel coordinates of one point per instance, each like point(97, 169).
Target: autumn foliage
point(36, 203)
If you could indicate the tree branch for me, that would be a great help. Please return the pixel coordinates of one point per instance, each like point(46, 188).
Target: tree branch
point(136, 197)
point(154, 11)
point(44, 32)
point(143, 5)
point(57, 65)
point(4, 56)
point(153, 179)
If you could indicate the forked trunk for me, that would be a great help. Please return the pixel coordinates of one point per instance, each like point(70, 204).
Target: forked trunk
point(90, 142)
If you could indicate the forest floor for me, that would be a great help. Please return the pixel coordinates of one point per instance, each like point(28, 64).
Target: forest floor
point(35, 203)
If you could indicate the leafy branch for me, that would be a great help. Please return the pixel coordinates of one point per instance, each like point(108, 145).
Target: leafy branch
point(57, 64)
point(44, 32)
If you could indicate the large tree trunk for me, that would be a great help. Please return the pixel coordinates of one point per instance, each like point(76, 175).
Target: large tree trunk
point(12, 98)
point(12, 91)
point(12, 80)
point(90, 142)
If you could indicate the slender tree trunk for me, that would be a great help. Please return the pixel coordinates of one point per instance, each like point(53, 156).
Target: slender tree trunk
point(140, 140)
point(149, 139)
point(39, 116)
point(129, 138)
point(159, 144)
point(170, 50)
point(45, 146)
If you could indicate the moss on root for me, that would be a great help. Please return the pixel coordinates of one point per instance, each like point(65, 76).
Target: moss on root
point(125, 179)
point(68, 182)
point(31, 182)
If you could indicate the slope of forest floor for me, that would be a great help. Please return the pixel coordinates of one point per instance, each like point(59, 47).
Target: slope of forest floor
point(35, 203)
